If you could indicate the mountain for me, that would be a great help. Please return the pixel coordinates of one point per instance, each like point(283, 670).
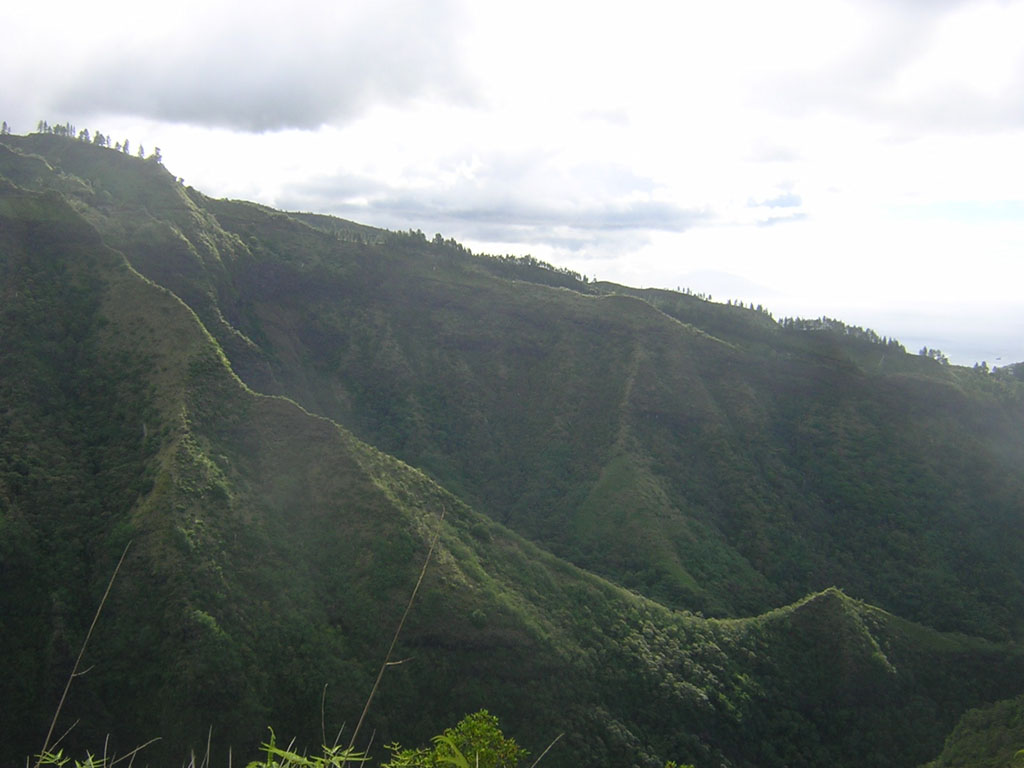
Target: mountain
point(275, 410)
point(987, 737)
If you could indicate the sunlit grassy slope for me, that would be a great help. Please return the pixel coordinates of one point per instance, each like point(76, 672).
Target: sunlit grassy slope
point(275, 409)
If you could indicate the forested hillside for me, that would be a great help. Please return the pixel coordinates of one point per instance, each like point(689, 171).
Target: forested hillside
point(672, 529)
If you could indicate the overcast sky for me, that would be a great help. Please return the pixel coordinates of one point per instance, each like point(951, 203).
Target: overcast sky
point(863, 160)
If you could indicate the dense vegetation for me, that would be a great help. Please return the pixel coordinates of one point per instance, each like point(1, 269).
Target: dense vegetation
point(276, 408)
point(987, 737)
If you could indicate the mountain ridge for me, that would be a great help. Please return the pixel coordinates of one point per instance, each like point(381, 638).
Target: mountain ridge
point(245, 337)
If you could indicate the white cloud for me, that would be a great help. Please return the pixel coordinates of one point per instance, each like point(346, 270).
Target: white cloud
point(647, 143)
point(253, 66)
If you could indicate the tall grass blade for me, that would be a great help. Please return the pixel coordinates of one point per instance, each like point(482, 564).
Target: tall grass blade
point(78, 661)
point(398, 631)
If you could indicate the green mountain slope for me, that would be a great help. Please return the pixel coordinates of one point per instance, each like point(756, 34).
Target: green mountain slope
point(701, 454)
point(273, 550)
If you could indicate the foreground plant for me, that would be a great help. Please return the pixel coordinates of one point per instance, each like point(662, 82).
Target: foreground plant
point(332, 757)
point(476, 742)
point(60, 760)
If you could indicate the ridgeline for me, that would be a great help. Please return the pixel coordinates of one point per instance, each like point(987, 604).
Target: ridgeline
point(674, 529)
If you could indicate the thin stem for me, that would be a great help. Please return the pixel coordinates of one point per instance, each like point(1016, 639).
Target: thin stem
point(130, 757)
point(81, 653)
point(323, 725)
point(398, 630)
point(541, 757)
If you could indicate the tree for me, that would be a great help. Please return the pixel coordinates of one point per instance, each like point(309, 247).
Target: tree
point(476, 741)
point(934, 354)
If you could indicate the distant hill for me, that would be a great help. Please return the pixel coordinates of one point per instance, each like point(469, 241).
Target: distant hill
point(275, 408)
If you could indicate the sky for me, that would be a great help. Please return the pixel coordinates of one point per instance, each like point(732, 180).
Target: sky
point(861, 160)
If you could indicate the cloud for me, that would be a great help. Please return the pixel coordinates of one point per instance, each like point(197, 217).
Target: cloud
point(617, 116)
point(512, 220)
point(727, 284)
point(644, 144)
point(782, 200)
point(764, 151)
point(914, 67)
point(508, 199)
point(257, 66)
point(989, 212)
point(771, 221)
